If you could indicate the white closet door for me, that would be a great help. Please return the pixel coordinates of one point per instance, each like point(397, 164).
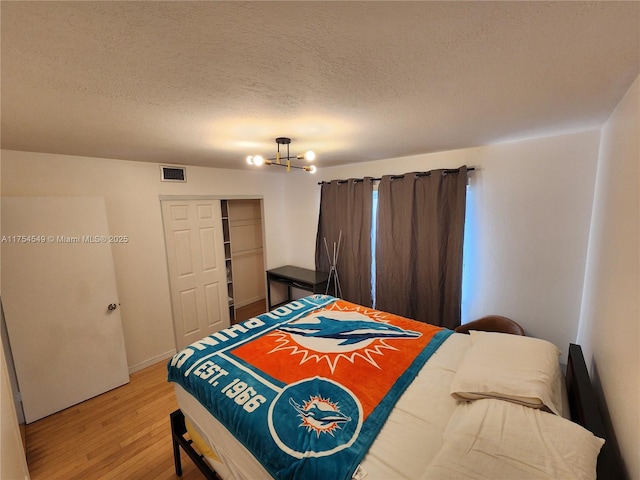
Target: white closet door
point(197, 272)
point(58, 281)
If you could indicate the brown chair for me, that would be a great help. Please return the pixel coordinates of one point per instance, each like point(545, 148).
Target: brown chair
point(492, 323)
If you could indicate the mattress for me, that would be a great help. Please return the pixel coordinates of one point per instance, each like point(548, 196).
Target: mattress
point(407, 443)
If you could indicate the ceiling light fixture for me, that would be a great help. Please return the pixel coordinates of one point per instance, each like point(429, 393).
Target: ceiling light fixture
point(309, 156)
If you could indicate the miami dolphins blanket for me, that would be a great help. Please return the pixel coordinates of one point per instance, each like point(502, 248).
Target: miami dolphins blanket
point(307, 387)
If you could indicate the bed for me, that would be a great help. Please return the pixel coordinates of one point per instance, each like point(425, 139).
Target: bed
point(323, 388)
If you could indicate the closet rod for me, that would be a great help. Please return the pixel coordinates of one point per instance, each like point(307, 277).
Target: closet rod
point(394, 177)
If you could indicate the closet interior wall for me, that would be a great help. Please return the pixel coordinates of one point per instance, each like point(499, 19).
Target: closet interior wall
point(244, 253)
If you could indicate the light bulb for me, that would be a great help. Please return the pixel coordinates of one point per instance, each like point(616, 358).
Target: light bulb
point(310, 168)
point(250, 160)
point(258, 160)
point(310, 156)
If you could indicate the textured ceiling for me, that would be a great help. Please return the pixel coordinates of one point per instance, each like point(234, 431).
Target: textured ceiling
point(206, 83)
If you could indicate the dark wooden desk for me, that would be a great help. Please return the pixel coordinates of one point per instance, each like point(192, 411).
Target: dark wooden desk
point(302, 278)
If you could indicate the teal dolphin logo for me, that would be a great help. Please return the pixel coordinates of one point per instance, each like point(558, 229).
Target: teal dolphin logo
point(347, 332)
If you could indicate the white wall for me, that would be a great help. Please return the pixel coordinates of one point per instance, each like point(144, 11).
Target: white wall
point(132, 191)
point(13, 463)
point(528, 225)
point(610, 324)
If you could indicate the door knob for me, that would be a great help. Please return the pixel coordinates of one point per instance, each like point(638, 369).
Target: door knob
point(112, 307)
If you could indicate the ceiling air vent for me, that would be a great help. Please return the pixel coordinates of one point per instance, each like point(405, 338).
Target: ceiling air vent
point(173, 174)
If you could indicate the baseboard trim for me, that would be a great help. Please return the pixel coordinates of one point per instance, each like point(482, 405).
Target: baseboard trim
point(151, 361)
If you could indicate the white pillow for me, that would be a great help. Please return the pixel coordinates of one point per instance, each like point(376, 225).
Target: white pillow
point(494, 439)
point(519, 369)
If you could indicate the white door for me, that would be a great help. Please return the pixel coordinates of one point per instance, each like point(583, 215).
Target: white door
point(197, 272)
point(58, 281)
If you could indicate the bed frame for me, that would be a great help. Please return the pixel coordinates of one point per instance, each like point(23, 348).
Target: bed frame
point(582, 402)
point(178, 431)
point(586, 412)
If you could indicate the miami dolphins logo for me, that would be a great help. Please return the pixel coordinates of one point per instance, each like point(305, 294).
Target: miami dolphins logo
point(329, 421)
point(330, 335)
point(319, 415)
point(347, 332)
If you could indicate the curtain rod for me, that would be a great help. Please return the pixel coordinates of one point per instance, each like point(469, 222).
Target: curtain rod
point(395, 177)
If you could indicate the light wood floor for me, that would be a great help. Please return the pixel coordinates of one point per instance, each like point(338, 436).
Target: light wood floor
point(250, 311)
point(121, 434)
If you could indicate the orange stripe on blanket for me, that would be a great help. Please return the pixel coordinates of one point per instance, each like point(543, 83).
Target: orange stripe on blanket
point(365, 350)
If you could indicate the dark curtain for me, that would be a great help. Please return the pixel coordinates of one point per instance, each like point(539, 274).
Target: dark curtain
point(419, 245)
point(345, 206)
